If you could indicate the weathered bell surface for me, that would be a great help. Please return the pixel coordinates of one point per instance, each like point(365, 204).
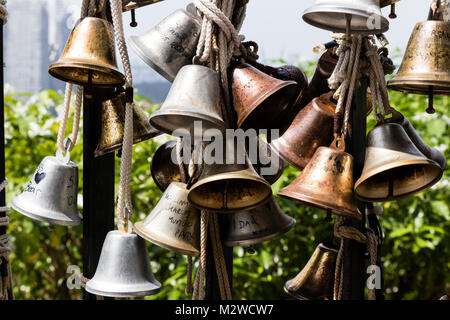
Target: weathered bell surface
point(173, 224)
point(268, 164)
point(113, 123)
point(311, 128)
point(164, 171)
point(134, 4)
point(169, 45)
point(51, 194)
point(259, 99)
point(123, 270)
point(194, 96)
point(326, 183)
point(366, 17)
point(426, 64)
point(316, 280)
point(394, 168)
point(89, 56)
point(261, 224)
point(229, 184)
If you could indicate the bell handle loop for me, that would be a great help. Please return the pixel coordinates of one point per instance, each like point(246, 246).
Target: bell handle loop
point(338, 142)
point(64, 155)
point(123, 222)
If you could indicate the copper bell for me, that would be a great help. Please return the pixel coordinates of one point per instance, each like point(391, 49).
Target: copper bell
point(311, 128)
point(258, 225)
point(326, 182)
point(163, 169)
point(394, 168)
point(259, 99)
point(113, 123)
point(89, 57)
point(316, 280)
point(173, 224)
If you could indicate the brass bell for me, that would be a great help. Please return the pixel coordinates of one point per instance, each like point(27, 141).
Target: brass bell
point(89, 57)
point(123, 269)
point(326, 182)
point(113, 123)
point(362, 16)
point(394, 168)
point(169, 45)
point(258, 225)
point(316, 280)
point(51, 194)
point(311, 128)
point(164, 171)
point(229, 186)
point(259, 99)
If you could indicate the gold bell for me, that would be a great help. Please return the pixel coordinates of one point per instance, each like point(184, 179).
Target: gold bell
point(394, 168)
point(316, 280)
point(326, 182)
point(89, 57)
point(113, 122)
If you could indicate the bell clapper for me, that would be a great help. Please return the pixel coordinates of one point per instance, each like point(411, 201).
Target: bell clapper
point(348, 28)
point(431, 109)
point(173, 257)
point(392, 15)
point(328, 218)
point(88, 88)
point(51, 227)
point(251, 250)
point(133, 22)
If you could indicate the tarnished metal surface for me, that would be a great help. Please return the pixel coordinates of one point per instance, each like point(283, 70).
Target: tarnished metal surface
point(311, 128)
point(163, 169)
point(51, 194)
point(316, 280)
point(394, 168)
point(89, 49)
point(123, 269)
point(134, 4)
point(426, 64)
point(173, 224)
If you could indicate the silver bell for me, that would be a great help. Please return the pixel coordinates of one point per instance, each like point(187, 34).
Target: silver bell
point(51, 194)
point(123, 270)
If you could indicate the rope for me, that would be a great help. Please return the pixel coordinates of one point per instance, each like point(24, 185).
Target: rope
point(6, 291)
point(199, 290)
point(3, 11)
point(189, 275)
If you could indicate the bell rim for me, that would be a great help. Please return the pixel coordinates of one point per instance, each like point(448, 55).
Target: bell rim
point(152, 290)
point(419, 86)
point(275, 144)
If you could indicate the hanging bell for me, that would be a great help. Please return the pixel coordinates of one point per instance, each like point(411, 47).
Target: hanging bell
point(113, 123)
point(194, 96)
point(364, 16)
point(89, 57)
point(169, 45)
point(326, 182)
point(316, 280)
point(394, 168)
point(164, 171)
point(229, 185)
point(173, 224)
point(258, 225)
point(259, 99)
point(51, 195)
point(311, 128)
point(123, 270)
point(425, 67)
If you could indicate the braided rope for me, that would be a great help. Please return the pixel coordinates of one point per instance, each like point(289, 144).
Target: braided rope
point(189, 275)
point(5, 282)
point(199, 290)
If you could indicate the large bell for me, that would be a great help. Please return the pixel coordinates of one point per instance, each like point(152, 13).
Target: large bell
point(311, 128)
point(365, 15)
point(224, 187)
point(173, 224)
point(194, 96)
point(261, 224)
point(394, 168)
point(326, 183)
point(113, 123)
point(169, 45)
point(51, 195)
point(164, 171)
point(89, 57)
point(316, 280)
point(425, 67)
point(123, 270)
point(259, 99)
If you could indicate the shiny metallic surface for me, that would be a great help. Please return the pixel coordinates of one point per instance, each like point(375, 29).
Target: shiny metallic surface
point(259, 99)
point(394, 168)
point(51, 194)
point(257, 225)
point(164, 171)
point(194, 96)
point(89, 49)
point(169, 45)
point(113, 123)
point(134, 4)
point(427, 60)
point(326, 183)
point(311, 128)
point(331, 15)
point(173, 224)
point(316, 280)
point(123, 270)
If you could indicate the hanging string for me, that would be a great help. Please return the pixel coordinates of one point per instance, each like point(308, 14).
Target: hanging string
point(6, 291)
point(199, 289)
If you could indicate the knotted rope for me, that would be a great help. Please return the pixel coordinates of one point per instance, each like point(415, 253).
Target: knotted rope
point(6, 291)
